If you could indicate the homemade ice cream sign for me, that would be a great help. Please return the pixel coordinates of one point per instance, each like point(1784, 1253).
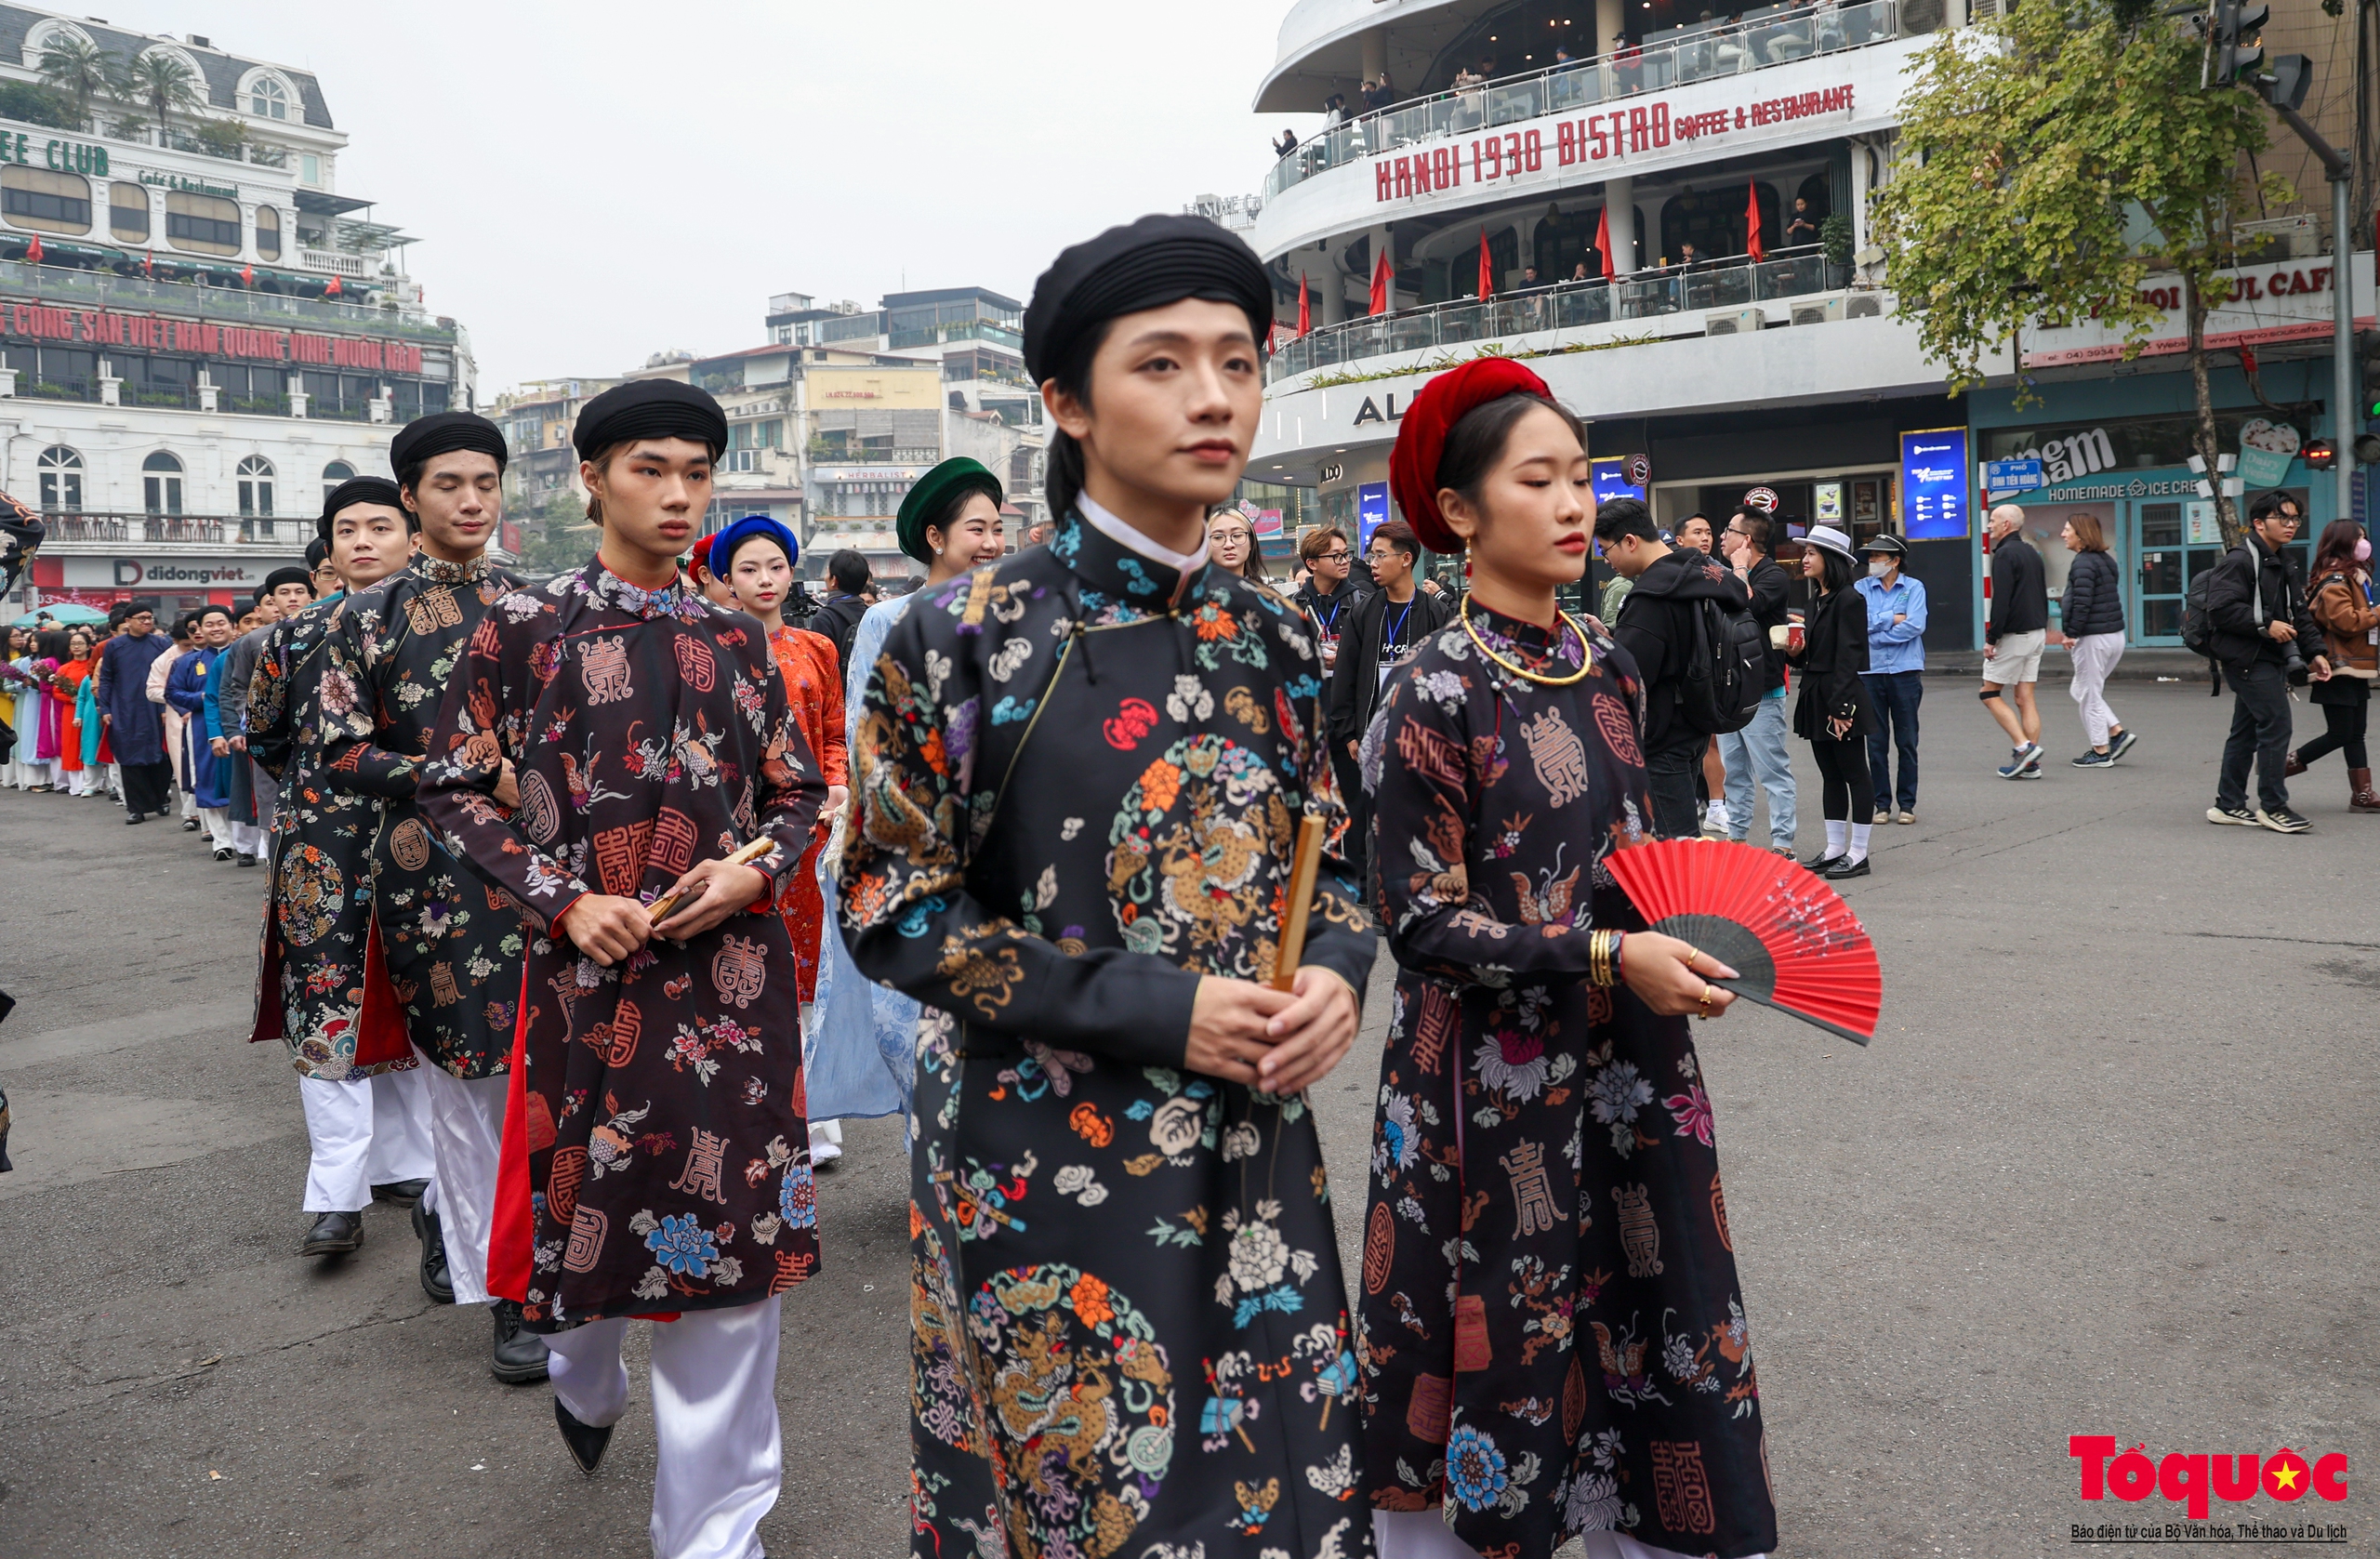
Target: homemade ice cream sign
point(1637, 129)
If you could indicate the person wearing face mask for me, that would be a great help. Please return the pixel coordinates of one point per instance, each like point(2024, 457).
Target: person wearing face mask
point(2348, 613)
point(1895, 674)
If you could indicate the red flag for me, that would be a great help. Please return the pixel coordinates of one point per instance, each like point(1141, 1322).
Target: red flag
point(1752, 244)
point(1305, 307)
point(247, 275)
point(334, 289)
point(148, 264)
point(1603, 244)
point(32, 251)
point(1383, 284)
point(1487, 268)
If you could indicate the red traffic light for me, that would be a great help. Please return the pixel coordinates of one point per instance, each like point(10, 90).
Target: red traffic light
point(2320, 454)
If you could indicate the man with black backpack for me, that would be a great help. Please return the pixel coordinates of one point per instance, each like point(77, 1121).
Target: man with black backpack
point(838, 617)
point(2255, 617)
point(1687, 622)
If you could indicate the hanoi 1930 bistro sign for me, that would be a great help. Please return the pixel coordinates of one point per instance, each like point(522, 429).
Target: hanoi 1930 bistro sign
point(1638, 129)
point(106, 327)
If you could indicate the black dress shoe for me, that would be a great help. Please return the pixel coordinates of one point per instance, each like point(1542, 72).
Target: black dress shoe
point(190, 824)
point(247, 860)
point(405, 1193)
point(333, 1233)
point(136, 817)
point(435, 1281)
point(519, 1356)
point(1842, 869)
point(587, 1443)
point(1821, 864)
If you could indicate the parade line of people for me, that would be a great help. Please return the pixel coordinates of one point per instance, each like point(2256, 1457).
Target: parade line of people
point(593, 902)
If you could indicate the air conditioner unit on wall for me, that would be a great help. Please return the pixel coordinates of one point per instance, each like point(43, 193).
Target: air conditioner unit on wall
point(1817, 310)
point(1734, 322)
point(1863, 306)
point(2298, 237)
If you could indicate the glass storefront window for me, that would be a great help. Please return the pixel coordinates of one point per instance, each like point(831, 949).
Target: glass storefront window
point(43, 200)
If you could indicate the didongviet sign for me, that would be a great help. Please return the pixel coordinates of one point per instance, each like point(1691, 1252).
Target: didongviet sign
point(105, 327)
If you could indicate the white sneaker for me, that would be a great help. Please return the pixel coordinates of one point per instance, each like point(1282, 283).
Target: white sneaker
point(1714, 822)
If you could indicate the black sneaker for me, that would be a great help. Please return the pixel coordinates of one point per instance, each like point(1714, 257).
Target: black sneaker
point(2282, 820)
point(2122, 744)
point(2239, 816)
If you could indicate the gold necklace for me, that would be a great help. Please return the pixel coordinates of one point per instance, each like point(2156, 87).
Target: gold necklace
point(1586, 654)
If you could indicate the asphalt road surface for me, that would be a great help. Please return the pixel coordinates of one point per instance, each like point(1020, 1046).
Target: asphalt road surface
point(2108, 1168)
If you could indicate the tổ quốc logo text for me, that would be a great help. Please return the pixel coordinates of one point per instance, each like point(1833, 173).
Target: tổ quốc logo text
point(2195, 1479)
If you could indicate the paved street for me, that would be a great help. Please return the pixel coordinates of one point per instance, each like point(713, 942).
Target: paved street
point(2108, 1168)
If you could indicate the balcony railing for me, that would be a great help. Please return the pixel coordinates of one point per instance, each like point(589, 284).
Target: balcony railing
point(202, 530)
point(1761, 38)
point(66, 285)
point(1647, 295)
point(837, 454)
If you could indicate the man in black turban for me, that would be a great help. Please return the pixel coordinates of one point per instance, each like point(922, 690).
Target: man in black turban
point(1149, 732)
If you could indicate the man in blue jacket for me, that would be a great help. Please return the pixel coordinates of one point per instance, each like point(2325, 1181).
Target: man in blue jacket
point(1896, 670)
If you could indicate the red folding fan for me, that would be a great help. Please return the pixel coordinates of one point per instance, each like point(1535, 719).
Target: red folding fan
point(1794, 943)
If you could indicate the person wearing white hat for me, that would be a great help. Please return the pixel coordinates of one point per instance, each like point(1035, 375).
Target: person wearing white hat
point(1834, 715)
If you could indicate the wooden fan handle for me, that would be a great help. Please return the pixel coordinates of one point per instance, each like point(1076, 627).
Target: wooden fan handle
point(1303, 872)
point(743, 855)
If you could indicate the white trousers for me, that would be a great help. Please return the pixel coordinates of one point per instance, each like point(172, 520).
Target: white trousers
point(465, 1135)
point(190, 802)
point(2095, 658)
point(219, 825)
point(826, 1140)
point(83, 780)
point(1424, 1535)
point(365, 1132)
point(249, 839)
point(720, 1454)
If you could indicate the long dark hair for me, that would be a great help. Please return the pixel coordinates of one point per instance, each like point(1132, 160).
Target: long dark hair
point(2336, 550)
point(1063, 468)
point(1837, 571)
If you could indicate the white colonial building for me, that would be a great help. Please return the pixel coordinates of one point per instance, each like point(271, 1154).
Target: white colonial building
point(198, 332)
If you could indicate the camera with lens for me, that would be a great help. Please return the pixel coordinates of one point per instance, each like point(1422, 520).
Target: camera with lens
point(2292, 664)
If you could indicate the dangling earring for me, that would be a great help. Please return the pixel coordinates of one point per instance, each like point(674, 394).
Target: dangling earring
point(1466, 566)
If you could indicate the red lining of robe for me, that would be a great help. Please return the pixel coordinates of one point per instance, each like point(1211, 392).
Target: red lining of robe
point(381, 1035)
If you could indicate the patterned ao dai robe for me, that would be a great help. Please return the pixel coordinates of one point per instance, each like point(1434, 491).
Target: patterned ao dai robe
point(1543, 1178)
point(813, 684)
point(656, 1157)
point(452, 944)
point(1080, 773)
point(318, 988)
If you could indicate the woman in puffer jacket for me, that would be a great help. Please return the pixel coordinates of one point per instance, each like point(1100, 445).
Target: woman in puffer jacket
point(2342, 600)
point(2090, 615)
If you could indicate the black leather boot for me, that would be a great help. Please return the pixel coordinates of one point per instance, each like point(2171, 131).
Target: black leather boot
point(405, 1193)
point(434, 1279)
point(519, 1356)
point(587, 1443)
point(334, 1233)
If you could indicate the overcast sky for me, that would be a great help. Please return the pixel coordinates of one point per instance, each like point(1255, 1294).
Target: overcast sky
point(594, 181)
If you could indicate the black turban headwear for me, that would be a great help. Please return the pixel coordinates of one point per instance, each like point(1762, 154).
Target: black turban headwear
point(1145, 264)
point(650, 409)
point(443, 434)
point(291, 574)
point(318, 552)
point(357, 490)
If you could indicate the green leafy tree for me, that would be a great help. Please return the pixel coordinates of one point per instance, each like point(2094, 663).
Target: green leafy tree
point(160, 82)
point(78, 71)
point(29, 102)
point(2052, 161)
point(555, 536)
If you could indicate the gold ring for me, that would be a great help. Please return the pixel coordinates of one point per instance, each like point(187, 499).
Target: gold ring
point(1707, 992)
point(1692, 953)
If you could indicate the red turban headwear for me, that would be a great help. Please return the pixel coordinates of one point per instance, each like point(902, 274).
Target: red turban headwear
point(1413, 464)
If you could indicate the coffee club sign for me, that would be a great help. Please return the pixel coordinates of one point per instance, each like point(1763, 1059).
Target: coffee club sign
point(107, 327)
point(1638, 129)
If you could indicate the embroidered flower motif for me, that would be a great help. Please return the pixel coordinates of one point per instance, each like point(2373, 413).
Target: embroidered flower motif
point(798, 1197)
point(1178, 1125)
point(1513, 1063)
point(683, 1244)
point(1258, 1257)
point(1691, 1110)
point(1396, 1146)
point(1475, 1469)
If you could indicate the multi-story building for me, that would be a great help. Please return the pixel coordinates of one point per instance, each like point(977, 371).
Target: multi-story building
point(1548, 132)
point(199, 333)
